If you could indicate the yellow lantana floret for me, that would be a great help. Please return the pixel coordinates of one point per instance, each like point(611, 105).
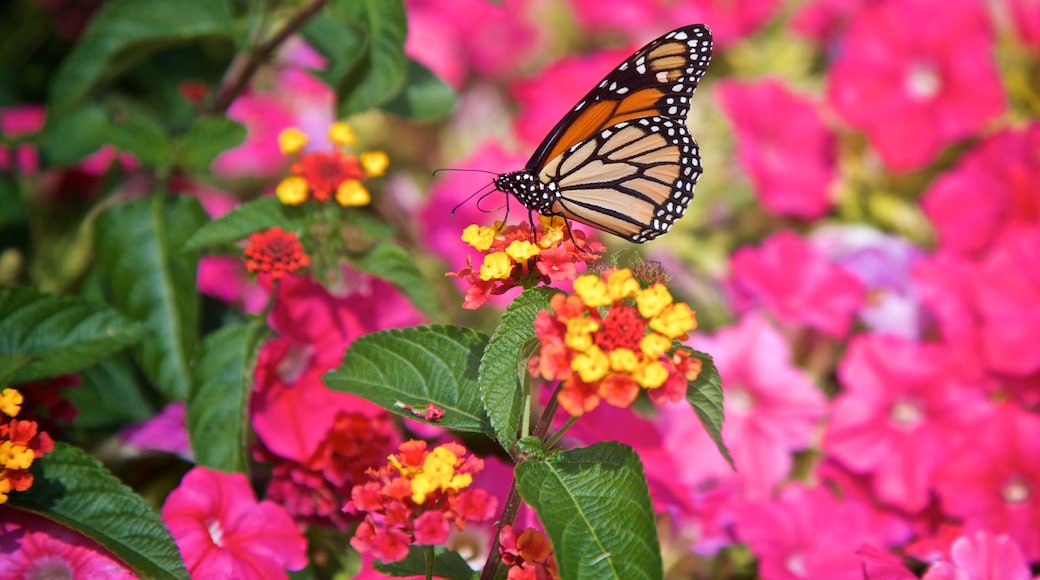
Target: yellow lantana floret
point(15, 456)
point(291, 141)
point(653, 300)
point(438, 473)
point(551, 237)
point(496, 266)
point(522, 250)
point(592, 290)
point(651, 375)
point(623, 360)
point(11, 402)
point(591, 365)
point(621, 284)
point(352, 193)
point(374, 163)
point(675, 320)
point(654, 345)
point(479, 237)
point(579, 333)
point(292, 190)
point(341, 133)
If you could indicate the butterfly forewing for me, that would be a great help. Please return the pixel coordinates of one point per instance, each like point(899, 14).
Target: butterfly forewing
point(622, 160)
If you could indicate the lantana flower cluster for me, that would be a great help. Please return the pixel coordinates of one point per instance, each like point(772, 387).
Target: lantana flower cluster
point(519, 255)
point(416, 498)
point(21, 443)
point(275, 253)
point(324, 175)
point(613, 338)
point(528, 554)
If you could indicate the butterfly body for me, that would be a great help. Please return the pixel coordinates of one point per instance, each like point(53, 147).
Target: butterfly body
point(622, 160)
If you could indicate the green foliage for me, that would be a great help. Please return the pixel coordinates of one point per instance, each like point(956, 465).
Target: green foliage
point(152, 281)
point(447, 564)
point(253, 216)
point(425, 96)
point(393, 263)
point(43, 335)
point(705, 396)
point(66, 139)
point(596, 509)
point(416, 366)
point(503, 366)
point(73, 489)
point(216, 411)
point(207, 138)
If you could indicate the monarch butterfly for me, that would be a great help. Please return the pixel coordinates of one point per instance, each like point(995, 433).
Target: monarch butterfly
point(622, 160)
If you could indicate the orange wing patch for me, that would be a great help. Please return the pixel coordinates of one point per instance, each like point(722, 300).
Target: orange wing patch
point(606, 113)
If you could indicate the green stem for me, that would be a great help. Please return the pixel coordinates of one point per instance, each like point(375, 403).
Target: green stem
point(559, 434)
point(428, 552)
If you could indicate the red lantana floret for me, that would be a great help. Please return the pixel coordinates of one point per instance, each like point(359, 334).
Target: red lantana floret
point(21, 443)
point(528, 553)
point(517, 255)
point(416, 498)
point(275, 252)
point(613, 338)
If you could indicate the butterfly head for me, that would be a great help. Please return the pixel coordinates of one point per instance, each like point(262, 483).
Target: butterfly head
point(531, 192)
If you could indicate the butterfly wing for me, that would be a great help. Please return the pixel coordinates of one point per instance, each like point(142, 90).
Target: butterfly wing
point(622, 160)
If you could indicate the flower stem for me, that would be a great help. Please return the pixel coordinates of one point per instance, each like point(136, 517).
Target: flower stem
point(428, 551)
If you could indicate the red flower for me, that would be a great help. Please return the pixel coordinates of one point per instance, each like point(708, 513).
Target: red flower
point(325, 171)
point(275, 252)
point(529, 554)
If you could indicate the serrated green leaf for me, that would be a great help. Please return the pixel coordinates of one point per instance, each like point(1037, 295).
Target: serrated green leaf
point(392, 263)
point(208, 138)
point(501, 368)
point(380, 73)
point(151, 280)
point(73, 489)
point(216, 411)
point(705, 396)
point(124, 31)
point(341, 43)
point(415, 366)
point(142, 136)
point(447, 564)
point(425, 96)
point(253, 216)
point(60, 334)
point(112, 394)
point(10, 364)
point(596, 509)
point(67, 139)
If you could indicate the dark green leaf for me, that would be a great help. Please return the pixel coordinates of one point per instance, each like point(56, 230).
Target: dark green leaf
point(10, 364)
point(12, 206)
point(60, 334)
point(501, 369)
point(596, 508)
point(379, 74)
point(705, 396)
point(66, 139)
point(73, 489)
point(446, 564)
point(124, 31)
point(152, 281)
point(208, 138)
point(416, 366)
point(216, 412)
point(340, 42)
point(142, 136)
point(112, 393)
point(425, 96)
point(253, 216)
point(393, 264)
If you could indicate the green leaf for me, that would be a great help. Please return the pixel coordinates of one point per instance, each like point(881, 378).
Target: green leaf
point(341, 43)
point(208, 138)
point(447, 564)
point(415, 366)
point(125, 31)
point(501, 369)
point(112, 393)
point(142, 136)
point(596, 508)
point(705, 396)
point(254, 216)
point(59, 334)
point(74, 490)
point(10, 364)
point(152, 281)
point(379, 74)
point(12, 205)
point(216, 412)
point(425, 96)
point(67, 139)
point(392, 263)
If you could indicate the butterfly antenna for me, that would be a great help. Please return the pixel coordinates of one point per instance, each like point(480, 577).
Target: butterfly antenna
point(466, 170)
point(472, 195)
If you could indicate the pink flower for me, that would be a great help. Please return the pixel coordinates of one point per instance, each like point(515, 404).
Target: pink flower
point(804, 533)
point(994, 483)
point(992, 188)
point(225, 278)
point(771, 407)
point(791, 163)
point(825, 20)
point(1024, 16)
point(222, 531)
point(19, 122)
point(982, 556)
point(34, 547)
point(916, 79)
point(264, 116)
point(793, 281)
point(881, 565)
point(903, 409)
point(164, 432)
point(455, 38)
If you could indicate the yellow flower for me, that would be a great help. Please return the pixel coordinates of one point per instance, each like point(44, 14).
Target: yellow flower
point(591, 365)
point(522, 250)
point(292, 190)
point(496, 266)
point(579, 333)
point(340, 133)
point(374, 162)
point(623, 360)
point(15, 456)
point(550, 238)
point(621, 285)
point(291, 141)
point(5, 488)
point(675, 320)
point(352, 193)
point(653, 300)
point(592, 290)
point(651, 375)
point(11, 402)
point(654, 345)
point(479, 237)
point(438, 473)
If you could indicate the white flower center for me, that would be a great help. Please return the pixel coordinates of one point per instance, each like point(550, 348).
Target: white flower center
point(1016, 491)
point(216, 533)
point(906, 414)
point(922, 81)
point(795, 564)
point(740, 401)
